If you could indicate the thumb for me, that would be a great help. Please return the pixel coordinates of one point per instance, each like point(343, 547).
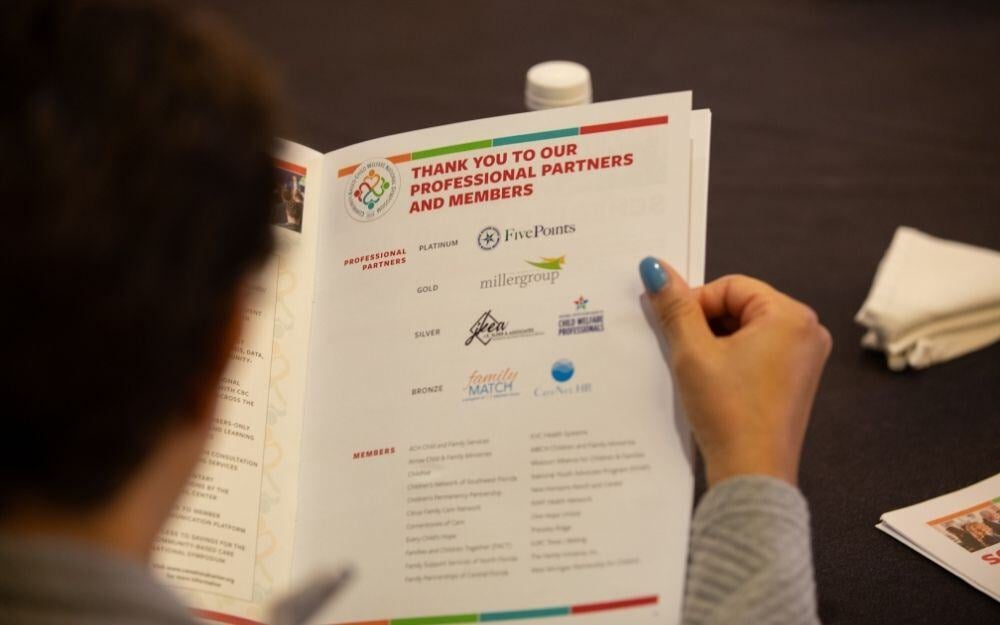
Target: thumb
point(681, 317)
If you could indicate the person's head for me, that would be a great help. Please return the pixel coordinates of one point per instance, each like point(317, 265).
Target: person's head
point(293, 201)
point(954, 530)
point(988, 515)
point(979, 531)
point(136, 176)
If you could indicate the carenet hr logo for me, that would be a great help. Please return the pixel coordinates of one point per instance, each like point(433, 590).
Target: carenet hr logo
point(563, 371)
point(372, 190)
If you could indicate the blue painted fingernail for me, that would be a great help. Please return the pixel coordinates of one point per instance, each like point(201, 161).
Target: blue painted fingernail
point(653, 276)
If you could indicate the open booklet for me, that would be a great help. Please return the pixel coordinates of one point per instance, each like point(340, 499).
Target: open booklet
point(447, 380)
point(960, 531)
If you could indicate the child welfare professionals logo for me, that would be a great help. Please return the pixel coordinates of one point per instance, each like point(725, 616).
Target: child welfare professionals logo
point(372, 190)
point(582, 321)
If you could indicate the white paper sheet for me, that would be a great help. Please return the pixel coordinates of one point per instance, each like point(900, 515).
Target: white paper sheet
point(445, 453)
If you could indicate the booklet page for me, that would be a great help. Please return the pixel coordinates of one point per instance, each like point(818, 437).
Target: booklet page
point(227, 546)
point(701, 133)
point(960, 531)
point(490, 429)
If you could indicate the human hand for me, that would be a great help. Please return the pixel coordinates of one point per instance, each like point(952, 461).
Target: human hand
point(748, 393)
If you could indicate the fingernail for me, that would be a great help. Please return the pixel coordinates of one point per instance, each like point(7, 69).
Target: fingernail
point(653, 276)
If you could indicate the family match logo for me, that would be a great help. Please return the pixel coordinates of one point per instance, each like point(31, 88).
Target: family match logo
point(372, 190)
point(494, 385)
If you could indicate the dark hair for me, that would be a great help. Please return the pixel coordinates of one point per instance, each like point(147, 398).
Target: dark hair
point(136, 180)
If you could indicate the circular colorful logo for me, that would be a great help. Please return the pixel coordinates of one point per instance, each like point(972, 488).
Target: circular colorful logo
point(489, 238)
point(562, 370)
point(372, 190)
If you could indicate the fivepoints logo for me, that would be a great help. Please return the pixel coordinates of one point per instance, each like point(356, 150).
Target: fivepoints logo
point(490, 237)
point(550, 268)
point(563, 371)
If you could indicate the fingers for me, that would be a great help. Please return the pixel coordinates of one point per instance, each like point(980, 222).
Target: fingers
point(739, 297)
point(680, 315)
point(740, 301)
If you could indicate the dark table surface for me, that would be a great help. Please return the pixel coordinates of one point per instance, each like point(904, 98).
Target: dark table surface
point(834, 122)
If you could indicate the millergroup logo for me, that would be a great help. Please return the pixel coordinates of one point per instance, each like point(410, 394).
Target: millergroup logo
point(521, 279)
point(491, 236)
point(494, 385)
point(582, 321)
point(552, 264)
point(488, 328)
point(372, 190)
point(550, 273)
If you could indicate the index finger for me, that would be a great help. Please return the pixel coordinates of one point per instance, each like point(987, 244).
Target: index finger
point(740, 297)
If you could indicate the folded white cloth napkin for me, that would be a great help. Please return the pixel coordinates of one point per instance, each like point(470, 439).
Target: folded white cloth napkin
point(932, 300)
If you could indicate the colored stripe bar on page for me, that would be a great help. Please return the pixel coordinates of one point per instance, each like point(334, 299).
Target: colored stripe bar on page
point(292, 167)
point(523, 614)
point(615, 605)
point(542, 135)
point(536, 136)
point(516, 615)
point(436, 620)
point(631, 123)
point(219, 617)
point(452, 149)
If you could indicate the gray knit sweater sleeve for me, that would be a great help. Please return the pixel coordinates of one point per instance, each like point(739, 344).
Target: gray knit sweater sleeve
point(751, 560)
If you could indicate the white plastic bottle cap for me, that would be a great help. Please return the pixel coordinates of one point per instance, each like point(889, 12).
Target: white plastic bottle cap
point(557, 83)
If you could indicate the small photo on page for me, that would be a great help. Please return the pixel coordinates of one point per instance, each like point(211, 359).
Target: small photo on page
point(974, 528)
point(289, 196)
